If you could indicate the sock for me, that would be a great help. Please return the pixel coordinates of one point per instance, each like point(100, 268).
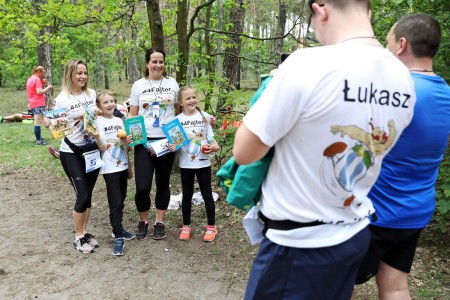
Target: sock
point(37, 132)
point(160, 222)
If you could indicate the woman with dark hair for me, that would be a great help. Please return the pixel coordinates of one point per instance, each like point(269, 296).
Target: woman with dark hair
point(155, 98)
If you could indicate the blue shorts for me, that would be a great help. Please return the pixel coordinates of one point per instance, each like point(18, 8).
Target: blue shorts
point(38, 110)
point(280, 272)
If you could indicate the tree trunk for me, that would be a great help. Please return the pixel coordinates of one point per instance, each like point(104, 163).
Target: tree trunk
point(44, 53)
point(280, 32)
point(219, 40)
point(183, 45)
point(155, 24)
point(231, 63)
point(133, 72)
point(208, 91)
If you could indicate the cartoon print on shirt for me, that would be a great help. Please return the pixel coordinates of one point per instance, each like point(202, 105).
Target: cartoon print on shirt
point(195, 143)
point(349, 164)
point(155, 108)
point(115, 151)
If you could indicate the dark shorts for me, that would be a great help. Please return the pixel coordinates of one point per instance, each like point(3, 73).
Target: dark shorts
point(328, 273)
point(395, 247)
point(38, 110)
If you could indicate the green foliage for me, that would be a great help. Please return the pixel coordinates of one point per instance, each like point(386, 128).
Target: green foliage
point(443, 193)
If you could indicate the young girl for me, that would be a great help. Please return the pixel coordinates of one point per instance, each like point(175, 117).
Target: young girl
point(116, 169)
point(195, 161)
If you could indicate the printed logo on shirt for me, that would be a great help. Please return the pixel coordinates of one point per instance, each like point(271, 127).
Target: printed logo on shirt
point(371, 94)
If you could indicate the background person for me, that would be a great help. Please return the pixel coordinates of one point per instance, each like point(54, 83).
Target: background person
point(155, 98)
point(36, 100)
point(74, 98)
point(329, 143)
point(404, 193)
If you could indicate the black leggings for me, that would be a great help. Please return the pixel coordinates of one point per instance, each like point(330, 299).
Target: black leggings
point(83, 183)
point(204, 182)
point(116, 189)
point(144, 166)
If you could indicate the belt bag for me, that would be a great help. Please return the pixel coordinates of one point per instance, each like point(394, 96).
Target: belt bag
point(284, 224)
point(79, 150)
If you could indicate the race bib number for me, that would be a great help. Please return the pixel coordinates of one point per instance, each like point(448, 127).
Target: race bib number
point(92, 160)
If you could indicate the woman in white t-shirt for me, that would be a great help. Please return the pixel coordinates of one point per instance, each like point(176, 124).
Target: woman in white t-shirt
point(155, 98)
point(75, 98)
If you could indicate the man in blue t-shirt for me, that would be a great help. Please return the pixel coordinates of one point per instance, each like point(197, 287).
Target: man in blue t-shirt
point(404, 194)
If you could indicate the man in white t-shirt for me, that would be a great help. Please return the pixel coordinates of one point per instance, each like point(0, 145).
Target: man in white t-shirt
point(332, 113)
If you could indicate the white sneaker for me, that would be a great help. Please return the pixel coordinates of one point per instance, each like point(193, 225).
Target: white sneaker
point(82, 245)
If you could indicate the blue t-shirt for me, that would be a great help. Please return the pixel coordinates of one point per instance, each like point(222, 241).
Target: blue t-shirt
point(404, 194)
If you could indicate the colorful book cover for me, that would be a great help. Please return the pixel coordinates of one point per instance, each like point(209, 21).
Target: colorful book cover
point(175, 133)
point(89, 121)
point(135, 127)
point(59, 125)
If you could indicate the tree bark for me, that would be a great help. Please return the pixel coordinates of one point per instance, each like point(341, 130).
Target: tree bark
point(155, 24)
point(183, 45)
point(219, 40)
point(282, 12)
point(133, 72)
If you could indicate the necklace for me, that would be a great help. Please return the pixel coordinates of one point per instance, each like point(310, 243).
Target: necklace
point(358, 37)
point(423, 70)
point(159, 88)
point(84, 96)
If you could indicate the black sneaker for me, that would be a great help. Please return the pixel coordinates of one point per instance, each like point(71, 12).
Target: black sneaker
point(127, 236)
point(142, 230)
point(158, 231)
point(118, 247)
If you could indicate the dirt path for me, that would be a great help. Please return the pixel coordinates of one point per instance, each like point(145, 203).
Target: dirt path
point(39, 262)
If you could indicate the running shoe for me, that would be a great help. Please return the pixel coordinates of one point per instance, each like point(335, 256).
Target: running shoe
point(82, 245)
point(127, 236)
point(159, 231)
point(118, 247)
point(210, 233)
point(142, 230)
point(185, 233)
point(91, 240)
point(53, 152)
point(41, 143)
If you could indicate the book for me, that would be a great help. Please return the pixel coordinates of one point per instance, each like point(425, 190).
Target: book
point(175, 133)
point(59, 125)
point(89, 121)
point(135, 127)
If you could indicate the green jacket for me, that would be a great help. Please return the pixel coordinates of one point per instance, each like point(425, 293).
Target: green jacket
point(243, 183)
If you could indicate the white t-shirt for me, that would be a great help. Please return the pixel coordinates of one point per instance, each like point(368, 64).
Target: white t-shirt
point(115, 158)
point(191, 156)
point(323, 111)
point(74, 107)
point(156, 99)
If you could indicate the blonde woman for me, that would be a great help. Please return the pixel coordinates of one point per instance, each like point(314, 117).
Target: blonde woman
point(75, 98)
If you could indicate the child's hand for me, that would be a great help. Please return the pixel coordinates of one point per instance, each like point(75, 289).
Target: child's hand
point(46, 122)
point(129, 139)
point(171, 147)
point(212, 120)
point(207, 148)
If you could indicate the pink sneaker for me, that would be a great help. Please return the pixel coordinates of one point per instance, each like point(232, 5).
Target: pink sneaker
point(53, 152)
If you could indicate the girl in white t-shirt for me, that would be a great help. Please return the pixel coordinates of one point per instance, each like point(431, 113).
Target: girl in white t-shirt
point(116, 169)
point(195, 161)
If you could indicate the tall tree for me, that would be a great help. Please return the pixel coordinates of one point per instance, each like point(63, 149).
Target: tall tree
point(155, 24)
